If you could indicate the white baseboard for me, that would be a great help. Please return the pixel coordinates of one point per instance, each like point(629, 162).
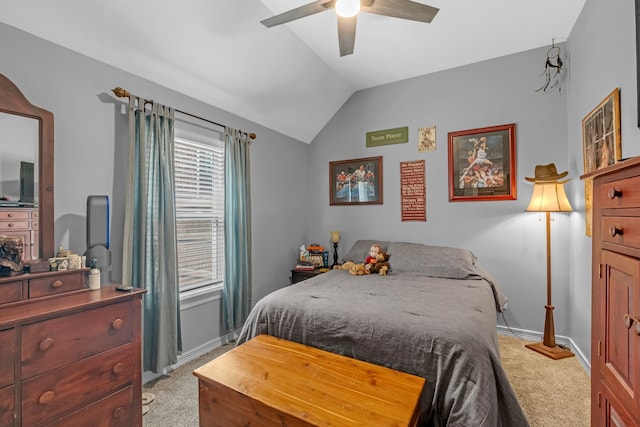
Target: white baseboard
point(537, 336)
point(190, 355)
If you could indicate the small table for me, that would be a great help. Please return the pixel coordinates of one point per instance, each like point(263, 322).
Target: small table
point(300, 275)
point(269, 381)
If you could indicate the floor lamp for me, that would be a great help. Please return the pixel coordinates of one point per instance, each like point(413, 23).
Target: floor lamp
point(549, 196)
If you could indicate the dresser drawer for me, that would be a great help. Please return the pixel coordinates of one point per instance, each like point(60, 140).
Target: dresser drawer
point(623, 231)
point(7, 351)
point(14, 215)
point(57, 342)
point(14, 225)
point(47, 397)
point(624, 193)
point(57, 284)
point(10, 292)
point(7, 406)
point(112, 411)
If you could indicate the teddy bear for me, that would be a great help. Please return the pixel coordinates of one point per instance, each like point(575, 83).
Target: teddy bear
point(344, 266)
point(353, 268)
point(381, 266)
point(358, 270)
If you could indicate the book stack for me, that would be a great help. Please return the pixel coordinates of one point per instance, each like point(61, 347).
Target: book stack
point(305, 266)
point(316, 255)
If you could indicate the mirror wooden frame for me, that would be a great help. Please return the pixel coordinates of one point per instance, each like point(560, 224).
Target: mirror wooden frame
point(12, 101)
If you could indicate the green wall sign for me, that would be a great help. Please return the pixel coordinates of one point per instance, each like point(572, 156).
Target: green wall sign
point(388, 137)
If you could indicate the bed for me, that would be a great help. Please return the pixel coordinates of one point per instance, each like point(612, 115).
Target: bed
point(434, 316)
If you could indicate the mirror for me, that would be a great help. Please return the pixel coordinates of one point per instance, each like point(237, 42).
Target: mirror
point(18, 185)
point(26, 162)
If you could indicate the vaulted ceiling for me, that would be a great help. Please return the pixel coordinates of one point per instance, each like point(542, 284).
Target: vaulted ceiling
point(289, 78)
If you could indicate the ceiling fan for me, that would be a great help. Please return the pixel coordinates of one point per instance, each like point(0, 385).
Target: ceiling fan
point(347, 13)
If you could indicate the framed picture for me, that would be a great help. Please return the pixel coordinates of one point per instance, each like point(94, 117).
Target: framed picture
point(601, 146)
point(356, 182)
point(482, 164)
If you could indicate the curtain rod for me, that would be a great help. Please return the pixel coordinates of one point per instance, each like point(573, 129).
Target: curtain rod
point(122, 93)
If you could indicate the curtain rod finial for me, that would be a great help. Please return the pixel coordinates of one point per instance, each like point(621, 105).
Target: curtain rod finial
point(252, 135)
point(120, 93)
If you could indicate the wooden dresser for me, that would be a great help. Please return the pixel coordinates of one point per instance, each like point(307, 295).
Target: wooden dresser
point(69, 358)
point(22, 223)
point(615, 344)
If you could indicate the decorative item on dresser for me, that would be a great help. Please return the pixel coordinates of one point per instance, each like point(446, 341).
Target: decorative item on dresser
point(615, 328)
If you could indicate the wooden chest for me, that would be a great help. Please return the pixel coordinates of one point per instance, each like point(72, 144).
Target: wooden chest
point(268, 381)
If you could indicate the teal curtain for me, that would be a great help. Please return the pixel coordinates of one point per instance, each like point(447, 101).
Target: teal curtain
point(150, 243)
point(236, 295)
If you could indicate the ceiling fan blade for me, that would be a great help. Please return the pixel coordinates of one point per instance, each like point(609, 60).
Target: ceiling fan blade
point(298, 12)
point(404, 9)
point(347, 34)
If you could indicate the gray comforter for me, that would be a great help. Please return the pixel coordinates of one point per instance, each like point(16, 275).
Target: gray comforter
point(441, 329)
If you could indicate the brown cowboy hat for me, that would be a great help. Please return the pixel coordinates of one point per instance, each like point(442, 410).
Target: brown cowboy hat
point(547, 173)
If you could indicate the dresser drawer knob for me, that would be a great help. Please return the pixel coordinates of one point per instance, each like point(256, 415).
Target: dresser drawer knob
point(119, 412)
point(46, 397)
point(119, 368)
point(628, 321)
point(46, 344)
point(10, 214)
point(614, 192)
point(56, 284)
point(614, 231)
point(10, 225)
point(117, 324)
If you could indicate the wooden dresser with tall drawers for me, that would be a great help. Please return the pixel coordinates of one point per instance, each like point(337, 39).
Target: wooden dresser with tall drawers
point(615, 343)
point(69, 358)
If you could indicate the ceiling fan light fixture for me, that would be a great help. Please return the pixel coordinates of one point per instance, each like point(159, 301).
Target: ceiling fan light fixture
point(347, 8)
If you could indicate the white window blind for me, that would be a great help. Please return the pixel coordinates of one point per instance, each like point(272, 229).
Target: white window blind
point(199, 186)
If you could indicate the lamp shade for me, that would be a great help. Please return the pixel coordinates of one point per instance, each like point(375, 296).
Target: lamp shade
point(335, 236)
point(549, 197)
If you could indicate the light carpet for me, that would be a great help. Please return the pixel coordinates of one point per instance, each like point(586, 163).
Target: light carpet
point(552, 392)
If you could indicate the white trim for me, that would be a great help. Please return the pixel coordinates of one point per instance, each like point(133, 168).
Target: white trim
point(200, 296)
point(190, 355)
point(537, 336)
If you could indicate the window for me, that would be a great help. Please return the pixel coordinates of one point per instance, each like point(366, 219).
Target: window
point(199, 186)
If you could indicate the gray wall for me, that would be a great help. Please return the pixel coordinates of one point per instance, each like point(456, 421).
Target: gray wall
point(602, 57)
point(508, 241)
point(90, 158)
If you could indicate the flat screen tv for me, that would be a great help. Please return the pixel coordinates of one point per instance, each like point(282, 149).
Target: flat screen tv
point(26, 183)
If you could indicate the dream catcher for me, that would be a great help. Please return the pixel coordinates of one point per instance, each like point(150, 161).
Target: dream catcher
point(552, 68)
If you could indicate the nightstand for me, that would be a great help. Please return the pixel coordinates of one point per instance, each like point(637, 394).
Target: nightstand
point(300, 275)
